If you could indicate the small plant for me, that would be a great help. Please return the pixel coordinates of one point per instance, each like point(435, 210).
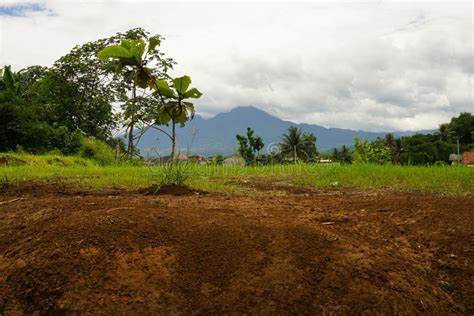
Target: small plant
point(172, 174)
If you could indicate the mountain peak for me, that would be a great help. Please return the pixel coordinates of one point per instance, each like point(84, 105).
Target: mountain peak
point(245, 108)
point(247, 111)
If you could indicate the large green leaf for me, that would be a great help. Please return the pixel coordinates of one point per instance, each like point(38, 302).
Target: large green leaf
point(137, 48)
point(181, 84)
point(193, 93)
point(114, 51)
point(166, 112)
point(126, 44)
point(163, 88)
point(154, 41)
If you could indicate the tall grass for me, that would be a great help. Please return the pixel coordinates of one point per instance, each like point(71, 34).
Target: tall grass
point(83, 172)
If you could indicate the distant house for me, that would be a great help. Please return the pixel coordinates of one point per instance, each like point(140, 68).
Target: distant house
point(454, 157)
point(198, 159)
point(322, 160)
point(468, 158)
point(166, 159)
point(234, 161)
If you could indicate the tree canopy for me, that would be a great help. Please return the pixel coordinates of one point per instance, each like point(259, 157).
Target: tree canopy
point(298, 145)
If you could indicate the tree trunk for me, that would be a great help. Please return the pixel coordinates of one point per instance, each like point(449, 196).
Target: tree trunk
point(173, 140)
point(131, 147)
point(294, 154)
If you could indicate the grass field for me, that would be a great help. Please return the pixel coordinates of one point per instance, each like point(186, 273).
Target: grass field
point(85, 173)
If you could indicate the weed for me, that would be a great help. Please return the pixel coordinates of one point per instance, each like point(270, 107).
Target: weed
point(173, 173)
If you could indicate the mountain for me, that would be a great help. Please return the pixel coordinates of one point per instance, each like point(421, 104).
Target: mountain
point(216, 135)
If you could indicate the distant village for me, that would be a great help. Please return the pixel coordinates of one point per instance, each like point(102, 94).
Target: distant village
point(466, 158)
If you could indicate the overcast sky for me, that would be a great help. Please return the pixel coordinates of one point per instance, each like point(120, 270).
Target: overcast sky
point(372, 65)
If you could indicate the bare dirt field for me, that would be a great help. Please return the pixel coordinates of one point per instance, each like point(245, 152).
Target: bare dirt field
point(301, 251)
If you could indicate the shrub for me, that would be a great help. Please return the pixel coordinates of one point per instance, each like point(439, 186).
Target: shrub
point(92, 148)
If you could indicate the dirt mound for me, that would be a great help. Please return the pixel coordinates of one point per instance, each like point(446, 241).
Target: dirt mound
point(8, 160)
point(96, 253)
point(170, 189)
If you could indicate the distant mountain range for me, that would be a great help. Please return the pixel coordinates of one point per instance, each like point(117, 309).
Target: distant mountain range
point(216, 135)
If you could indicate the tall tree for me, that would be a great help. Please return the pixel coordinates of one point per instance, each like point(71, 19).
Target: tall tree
point(444, 132)
point(80, 91)
point(22, 126)
point(298, 145)
point(395, 147)
point(463, 127)
point(343, 155)
point(131, 55)
point(177, 110)
point(249, 146)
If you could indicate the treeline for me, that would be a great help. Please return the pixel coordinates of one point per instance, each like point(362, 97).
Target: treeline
point(86, 101)
point(294, 146)
point(419, 149)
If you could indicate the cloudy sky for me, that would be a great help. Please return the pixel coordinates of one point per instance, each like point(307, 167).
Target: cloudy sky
point(372, 65)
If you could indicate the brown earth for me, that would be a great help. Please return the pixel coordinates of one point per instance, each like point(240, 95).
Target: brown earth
point(64, 251)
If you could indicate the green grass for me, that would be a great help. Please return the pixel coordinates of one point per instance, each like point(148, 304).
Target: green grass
point(85, 173)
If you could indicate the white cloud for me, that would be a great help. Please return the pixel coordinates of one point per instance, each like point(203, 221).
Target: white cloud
point(375, 66)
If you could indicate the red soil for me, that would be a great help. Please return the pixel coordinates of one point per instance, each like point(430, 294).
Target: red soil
point(113, 252)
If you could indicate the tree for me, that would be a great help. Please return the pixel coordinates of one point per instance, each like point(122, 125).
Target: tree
point(9, 81)
point(298, 145)
point(176, 110)
point(249, 146)
point(425, 149)
point(445, 133)
point(131, 55)
point(28, 77)
point(80, 91)
point(394, 144)
point(343, 155)
point(371, 152)
point(20, 124)
point(463, 128)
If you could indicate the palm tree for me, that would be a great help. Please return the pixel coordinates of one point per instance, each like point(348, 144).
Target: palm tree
point(297, 144)
point(444, 132)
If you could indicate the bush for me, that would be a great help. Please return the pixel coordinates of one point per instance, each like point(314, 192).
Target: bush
point(92, 148)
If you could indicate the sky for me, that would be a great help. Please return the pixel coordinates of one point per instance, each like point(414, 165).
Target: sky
point(371, 65)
